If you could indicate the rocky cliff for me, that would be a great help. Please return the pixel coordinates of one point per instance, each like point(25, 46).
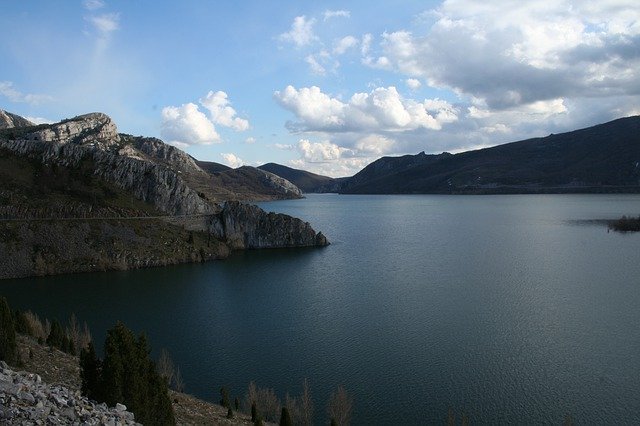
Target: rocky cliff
point(244, 226)
point(62, 186)
point(9, 121)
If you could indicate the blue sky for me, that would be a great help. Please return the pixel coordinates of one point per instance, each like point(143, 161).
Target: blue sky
point(323, 86)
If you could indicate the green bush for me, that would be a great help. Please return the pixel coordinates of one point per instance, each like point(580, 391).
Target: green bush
point(8, 348)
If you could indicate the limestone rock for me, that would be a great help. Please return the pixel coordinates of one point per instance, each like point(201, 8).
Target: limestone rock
point(244, 226)
point(9, 121)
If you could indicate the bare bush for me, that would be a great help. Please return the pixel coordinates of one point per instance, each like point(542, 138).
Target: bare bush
point(36, 328)
point(340, 406)
point(165, 367)
point(178, 382)
point(267, 403)
point(301, 408)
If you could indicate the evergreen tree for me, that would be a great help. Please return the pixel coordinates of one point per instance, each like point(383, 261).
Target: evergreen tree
point(128, 375)
point(57, 337)
point(21, 324)
point(254, 412)
point(224, 401)
point(8, 348)
point(237, 403)
point(229, 413)
point(285, 417)
point(90, 372)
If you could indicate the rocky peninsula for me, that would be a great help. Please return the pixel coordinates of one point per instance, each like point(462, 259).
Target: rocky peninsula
point(78, 196)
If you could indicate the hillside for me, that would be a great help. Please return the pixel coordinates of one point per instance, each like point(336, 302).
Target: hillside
point(602, 158)
point(78, 196)
point(306, 181)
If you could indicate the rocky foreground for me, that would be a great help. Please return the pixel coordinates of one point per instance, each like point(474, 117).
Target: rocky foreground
point(49, 394)
point(27, 400)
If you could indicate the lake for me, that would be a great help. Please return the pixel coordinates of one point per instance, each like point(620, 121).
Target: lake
point(509, 308)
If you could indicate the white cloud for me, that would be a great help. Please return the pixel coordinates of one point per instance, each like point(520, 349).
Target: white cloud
point(232, 160)
point(250, 140)
point(284, 147)
point(93, 4)
point(344, 44)
point(383, 109)
point(315, 66)
point(8, 90)
point(319, 152)
point(374, 145)
point(328, 14)
point(221, 111)
point(39, 120)
point(413, 83)
point(301, 32)
point(365, 47)
point(511, 53)
point(187, 125)
point(106, 23)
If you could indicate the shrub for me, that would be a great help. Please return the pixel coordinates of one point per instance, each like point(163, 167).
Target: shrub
point(90, 372)
point(8, 348)
point(340, 405)
point(266, 401)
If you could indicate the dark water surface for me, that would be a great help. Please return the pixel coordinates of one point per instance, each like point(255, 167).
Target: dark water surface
point(511, 309)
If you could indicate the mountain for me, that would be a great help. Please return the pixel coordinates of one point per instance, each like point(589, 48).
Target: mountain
point(306, 181)
point(8, 120)
point(602, 158)
point(79, 196)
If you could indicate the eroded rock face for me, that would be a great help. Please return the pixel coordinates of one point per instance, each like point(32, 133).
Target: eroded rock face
point(9, 121)
point(276, 182)
point(244, 226)
point(95, 129)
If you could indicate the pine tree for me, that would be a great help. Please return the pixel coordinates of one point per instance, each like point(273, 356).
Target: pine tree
point(90, 373)
point(57, 337)
point(254, 412)
point(8, 348)
point(129, 376)
point(224, 401)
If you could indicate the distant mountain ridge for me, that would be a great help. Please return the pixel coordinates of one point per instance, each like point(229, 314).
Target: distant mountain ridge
point(601, 158)
point(306, 181)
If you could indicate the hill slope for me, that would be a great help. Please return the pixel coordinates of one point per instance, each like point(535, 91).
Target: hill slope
point(601, 158)
point(306, 181)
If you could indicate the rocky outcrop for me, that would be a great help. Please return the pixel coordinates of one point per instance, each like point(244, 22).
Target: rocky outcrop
point(280, 184)
point(92, 141)
point(10, 121)
point(95, 129)
point(244, 226)
point(26, 400)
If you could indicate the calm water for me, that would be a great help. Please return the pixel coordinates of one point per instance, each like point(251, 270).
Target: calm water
point(512, 309)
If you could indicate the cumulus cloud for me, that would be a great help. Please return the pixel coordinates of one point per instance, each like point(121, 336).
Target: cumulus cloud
point(328, 14)
point(187, 125)
point(344, 44)
point(510, 53)
point(8, 90)
point(250, 140)
point(413, 83)
point(301, 32)
point(93, 4)
point(221, 112)
point(382, 109)
point(232, 160)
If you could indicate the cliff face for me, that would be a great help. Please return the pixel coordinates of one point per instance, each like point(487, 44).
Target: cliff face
point(60, 183)
point(244, 226)
point(9, 121)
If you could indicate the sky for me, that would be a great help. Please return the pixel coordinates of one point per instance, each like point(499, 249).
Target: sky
point(323, 86)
